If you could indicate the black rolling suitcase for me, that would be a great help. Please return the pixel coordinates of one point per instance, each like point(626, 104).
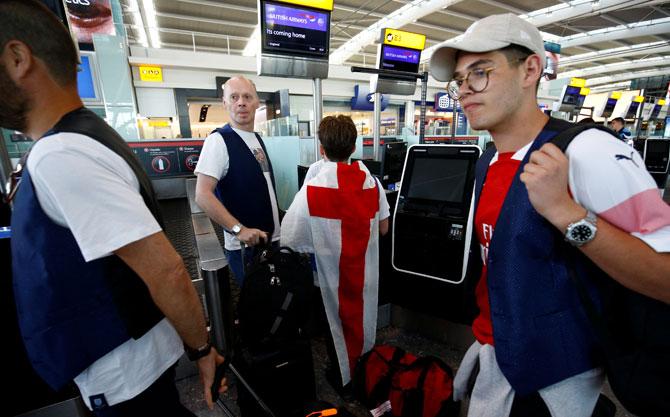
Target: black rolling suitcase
point(273, 355)
point(282, 375)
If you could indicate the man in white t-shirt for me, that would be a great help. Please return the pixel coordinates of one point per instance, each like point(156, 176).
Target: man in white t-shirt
point(102, 297)
point(235, 181)
point(535, 350)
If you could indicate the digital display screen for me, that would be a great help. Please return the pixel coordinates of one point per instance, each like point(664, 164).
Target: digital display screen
point(571, 95)
point(295, 30)
point(438, 179)
point(580, 100)
point(655, 112)
point(632, 110)
point(399, 59)
point(609, 107)
point(394, 160)
point(85, 83)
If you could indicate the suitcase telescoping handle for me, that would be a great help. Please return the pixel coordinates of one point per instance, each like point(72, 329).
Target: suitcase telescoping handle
point(218, 377)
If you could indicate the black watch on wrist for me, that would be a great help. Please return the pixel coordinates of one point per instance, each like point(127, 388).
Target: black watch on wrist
point(201, 352)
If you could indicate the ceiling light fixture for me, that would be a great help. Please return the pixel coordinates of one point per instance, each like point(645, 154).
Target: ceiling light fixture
point(152, 24)
point(138, 23)
point(253, 43)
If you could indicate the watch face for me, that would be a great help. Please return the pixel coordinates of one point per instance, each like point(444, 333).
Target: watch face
point(581, 233)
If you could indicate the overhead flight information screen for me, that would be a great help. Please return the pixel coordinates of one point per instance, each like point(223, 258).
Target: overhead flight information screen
point(287, 29)
point(399, 59)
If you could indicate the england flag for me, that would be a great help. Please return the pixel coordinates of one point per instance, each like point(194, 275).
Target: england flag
point(336, 217)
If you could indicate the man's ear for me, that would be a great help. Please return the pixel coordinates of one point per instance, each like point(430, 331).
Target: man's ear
point(17, 59)
point(533, 70)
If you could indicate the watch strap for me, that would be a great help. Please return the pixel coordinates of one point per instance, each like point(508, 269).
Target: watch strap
point(196, 354)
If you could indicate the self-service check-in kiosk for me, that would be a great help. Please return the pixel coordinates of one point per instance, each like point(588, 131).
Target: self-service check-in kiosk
point(656, 153)
point(570, 96)
point(610, 104)
point(432, 228)
point(633, 107)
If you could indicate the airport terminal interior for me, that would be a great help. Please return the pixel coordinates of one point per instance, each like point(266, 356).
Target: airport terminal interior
point(154, 70)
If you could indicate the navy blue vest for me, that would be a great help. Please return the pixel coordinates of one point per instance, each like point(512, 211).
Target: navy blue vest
point(244, 190)
point(71, 312)
point(541, 334)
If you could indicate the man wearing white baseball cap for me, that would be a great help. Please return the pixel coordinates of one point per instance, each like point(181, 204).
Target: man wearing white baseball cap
point(536, 350)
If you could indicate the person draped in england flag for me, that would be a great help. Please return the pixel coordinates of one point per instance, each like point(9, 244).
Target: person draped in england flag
point(338, 216)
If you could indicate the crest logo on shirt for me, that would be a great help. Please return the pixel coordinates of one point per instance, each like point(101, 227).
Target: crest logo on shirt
point(619, 157)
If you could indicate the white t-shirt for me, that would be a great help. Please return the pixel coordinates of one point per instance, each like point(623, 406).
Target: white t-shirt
point(87, 188)
point(214, 162)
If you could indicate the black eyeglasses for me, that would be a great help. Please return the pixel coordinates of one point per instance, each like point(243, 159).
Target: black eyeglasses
point(477, 79)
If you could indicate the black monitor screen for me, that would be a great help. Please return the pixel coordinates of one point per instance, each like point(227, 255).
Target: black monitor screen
point(580, 100)
point(399, 59)
point(632, 109)
point(571, 95)
point(657, 148)
point(609, 107)
point(294, 30)
point(394, 160)
point(438, 179)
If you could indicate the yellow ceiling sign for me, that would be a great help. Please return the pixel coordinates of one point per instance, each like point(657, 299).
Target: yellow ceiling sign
point(151, 73)
point(639, 99)
point(577, 82)
point(317, 4)
point(403, 39)
point(584, 91)
point(616, 94)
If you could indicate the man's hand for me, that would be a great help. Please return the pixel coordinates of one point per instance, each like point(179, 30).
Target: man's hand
point(546, 179)
point(207, 367)
point(252, 237)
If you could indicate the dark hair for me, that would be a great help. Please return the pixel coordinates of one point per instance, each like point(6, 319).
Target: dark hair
point(516, 54)
point(586, 120)
point(619, 119)
point(337, 135)
point(32, 23)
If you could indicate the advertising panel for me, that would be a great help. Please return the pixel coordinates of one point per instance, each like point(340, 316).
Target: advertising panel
point(88, 17)
point(168, 159)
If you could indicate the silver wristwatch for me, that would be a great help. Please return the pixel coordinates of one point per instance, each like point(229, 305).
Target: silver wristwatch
point(583, 231)
point(236, 229)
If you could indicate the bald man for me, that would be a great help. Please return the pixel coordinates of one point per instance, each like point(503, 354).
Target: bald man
point(236, 187)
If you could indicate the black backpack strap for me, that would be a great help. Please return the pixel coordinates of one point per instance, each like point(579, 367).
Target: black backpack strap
point(83, 121)
point(563, 139)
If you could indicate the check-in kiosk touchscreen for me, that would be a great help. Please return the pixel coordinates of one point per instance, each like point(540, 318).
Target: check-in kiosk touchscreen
point(431, 224)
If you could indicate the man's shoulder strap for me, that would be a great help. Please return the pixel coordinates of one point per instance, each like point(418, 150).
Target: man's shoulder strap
point(85, 122)
point(563, 139)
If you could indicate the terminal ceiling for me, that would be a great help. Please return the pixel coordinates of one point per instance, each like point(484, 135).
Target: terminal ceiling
point(630, 37)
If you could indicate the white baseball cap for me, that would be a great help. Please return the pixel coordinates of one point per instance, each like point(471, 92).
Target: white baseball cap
point(488, 34)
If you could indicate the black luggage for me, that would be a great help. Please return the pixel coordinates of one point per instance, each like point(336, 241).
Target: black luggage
point(276, 297)
point(282, 375)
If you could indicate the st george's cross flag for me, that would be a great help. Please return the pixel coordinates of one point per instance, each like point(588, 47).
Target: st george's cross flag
point(336, 217)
